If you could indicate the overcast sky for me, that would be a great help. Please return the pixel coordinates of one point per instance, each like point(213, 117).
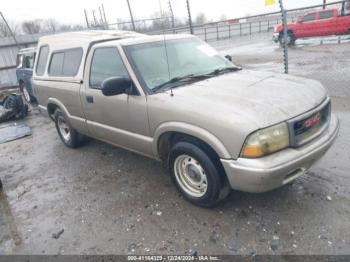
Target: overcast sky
point(72, 11)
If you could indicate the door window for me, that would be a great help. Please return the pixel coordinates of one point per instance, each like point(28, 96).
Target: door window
point(106, 63)
point(310, 17)
point(326, 14)
point(28, 61)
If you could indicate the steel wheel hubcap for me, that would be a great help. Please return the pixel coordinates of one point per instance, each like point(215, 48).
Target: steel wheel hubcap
point(191, 176)
point(63, 128)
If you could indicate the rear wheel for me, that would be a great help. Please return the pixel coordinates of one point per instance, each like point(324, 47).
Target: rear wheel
point(195, 175)
point(68, 135)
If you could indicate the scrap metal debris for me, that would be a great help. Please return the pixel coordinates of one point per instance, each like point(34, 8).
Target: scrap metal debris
point(12, 107)
point(58, 234)
point(13, 131)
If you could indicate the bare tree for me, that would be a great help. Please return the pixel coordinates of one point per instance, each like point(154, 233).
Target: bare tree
point(32, 27)
point(201, 19)
point(65, 28)
point(51, 25)
point(160, 21)
point(5, 32)
point(77, 27)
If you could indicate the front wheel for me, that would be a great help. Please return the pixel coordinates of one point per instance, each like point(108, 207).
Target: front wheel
point(195, 175)
point(290, 39)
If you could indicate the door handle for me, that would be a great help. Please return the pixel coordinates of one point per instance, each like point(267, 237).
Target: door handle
point(90, 99)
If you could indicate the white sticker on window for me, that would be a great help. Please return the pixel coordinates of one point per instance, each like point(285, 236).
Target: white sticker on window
point(207, 50)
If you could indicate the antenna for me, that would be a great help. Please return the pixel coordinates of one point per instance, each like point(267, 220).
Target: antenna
point(165, 46)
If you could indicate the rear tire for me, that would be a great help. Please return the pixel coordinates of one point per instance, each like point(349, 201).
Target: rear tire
point(68, 135)
point(196, 176)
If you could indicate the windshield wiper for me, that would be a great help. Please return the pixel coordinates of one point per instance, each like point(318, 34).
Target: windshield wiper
point(192, 77)
point(225, 70)
point(180, 80)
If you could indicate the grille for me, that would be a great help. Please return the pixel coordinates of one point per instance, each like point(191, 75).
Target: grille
point(309, 127)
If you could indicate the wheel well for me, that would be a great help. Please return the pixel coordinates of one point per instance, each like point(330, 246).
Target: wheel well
point(169, 139)
point(51, 108)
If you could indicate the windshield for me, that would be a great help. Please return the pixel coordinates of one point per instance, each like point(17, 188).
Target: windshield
point(185, 56)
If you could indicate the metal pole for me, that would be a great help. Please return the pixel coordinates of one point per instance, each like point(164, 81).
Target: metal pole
point(343, 8)
point(131, 16)
point(172, 16)
point(217, 31)
point(104, 14)
point(94, 16)
point(285, 36)
point(86, 19)
point(324, 4)
point(9, 28)
point(189, 16)
point(101, 16)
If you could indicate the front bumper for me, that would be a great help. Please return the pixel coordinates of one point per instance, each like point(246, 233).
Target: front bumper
point(276, 37)
point(273, 171)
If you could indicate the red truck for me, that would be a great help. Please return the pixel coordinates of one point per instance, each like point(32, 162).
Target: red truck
point(318, 23)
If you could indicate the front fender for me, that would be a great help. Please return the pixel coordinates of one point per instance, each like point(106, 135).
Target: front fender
point(191, 130)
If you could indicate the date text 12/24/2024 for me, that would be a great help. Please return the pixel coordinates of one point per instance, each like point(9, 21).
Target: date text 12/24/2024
point(173, 258)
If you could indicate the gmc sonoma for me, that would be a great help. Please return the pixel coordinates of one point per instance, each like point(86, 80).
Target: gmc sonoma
point(173, 98)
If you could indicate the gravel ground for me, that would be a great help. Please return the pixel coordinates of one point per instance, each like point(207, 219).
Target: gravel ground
point(99, 199)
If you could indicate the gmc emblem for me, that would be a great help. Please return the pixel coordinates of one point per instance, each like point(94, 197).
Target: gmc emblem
point(312, 121)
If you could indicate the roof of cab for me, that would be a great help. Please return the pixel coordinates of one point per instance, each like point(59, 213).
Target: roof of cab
point(84, 38)
point(27, 50)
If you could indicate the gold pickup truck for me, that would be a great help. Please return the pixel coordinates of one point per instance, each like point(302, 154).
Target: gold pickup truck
point(175, 99)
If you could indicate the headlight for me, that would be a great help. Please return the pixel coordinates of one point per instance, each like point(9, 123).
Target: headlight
point(266, 141)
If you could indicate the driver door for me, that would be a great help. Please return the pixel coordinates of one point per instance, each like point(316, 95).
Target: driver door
point(121, 120)
point(308, 27)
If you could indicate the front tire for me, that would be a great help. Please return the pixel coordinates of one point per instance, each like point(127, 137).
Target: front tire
point(195, 175)
point(290, 39)
point(68, 135)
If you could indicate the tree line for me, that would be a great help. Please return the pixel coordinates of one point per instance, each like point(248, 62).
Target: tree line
point(157, 22)
point(36, 26)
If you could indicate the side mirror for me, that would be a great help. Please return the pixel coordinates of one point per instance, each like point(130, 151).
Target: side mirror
point(229, 58)
point(116, 86)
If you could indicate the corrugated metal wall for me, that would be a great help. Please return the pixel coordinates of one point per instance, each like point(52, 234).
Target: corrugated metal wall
point(8, 56)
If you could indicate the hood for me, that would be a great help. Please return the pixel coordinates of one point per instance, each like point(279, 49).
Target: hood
point(249, 96)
